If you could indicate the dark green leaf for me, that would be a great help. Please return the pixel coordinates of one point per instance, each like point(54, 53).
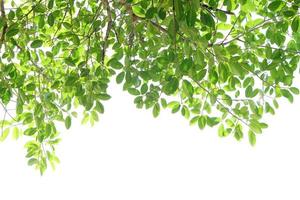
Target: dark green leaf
point(274, 5)
point(207, 19)
point(295, 24)
point(171, 86)
point(12, 32)
point(36, 44)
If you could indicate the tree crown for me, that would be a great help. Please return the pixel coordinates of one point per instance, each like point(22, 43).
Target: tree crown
point(216, 62)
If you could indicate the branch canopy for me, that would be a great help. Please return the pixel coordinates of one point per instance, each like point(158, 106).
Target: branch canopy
point(216, 63)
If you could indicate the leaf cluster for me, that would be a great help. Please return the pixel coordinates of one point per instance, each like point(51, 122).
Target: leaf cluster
point(217, 63)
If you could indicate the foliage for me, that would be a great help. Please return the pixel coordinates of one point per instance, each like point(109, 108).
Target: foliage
point(216, 62)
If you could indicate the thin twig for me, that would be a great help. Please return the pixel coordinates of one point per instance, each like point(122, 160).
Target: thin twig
point(216, 9)
point(230, 30)
point(6, 111)
point(221, 104)
point(262, 24)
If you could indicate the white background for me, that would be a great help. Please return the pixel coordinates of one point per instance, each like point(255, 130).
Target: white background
point(131, 155)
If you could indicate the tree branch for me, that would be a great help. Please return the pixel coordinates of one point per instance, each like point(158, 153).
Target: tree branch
point(223, 106)
point(216, 9)
point(250, 30)
point(230, 31)
point(6, 111)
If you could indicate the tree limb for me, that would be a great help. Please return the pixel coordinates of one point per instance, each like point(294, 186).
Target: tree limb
point(216, 9)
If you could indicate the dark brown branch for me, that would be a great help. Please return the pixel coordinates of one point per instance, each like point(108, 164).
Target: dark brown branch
point(128, 8)
point(158, 26)
point(216, 9)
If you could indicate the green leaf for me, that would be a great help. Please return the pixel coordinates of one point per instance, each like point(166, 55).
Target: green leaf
point(200, 75)
point(255, 126)
point(238, 133)
point(133, 91)
point(171, 86)
point(30, 131)
point(221, 16)
point(295, 24)
point(207, 19)
point(289, 13)
point(202, 122)
point(287, 95)
point(162, 14)
point(191, 17)
point(213, 77)
point(179, 9)
point(252, 138)
point(50, 4)
point(99, 107)
point(212, 121)
point(194, 120)
point(248, 91)
point(156, 110)
point(32, 161)
point(151, 12)
point(120, 77)
point(104, 96)
point(185, 65)
point(295, 90)
point(51, 19)
point(274, 5)
point(36, 44)
point(138, 11)
point(4, 134)
point(12, 32)
point(222, 131)
point(144, 88)
point(163, 102)
point(188, 88)
point(16, 133)
point(11, 15)
point(173, 28)
point(39, 8)
point(95, 116)
point(68, 122)
point(175, 106)
point(185, 112)
point(114, 63)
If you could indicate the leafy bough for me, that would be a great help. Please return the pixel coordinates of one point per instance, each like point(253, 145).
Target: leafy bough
point(219, 64)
